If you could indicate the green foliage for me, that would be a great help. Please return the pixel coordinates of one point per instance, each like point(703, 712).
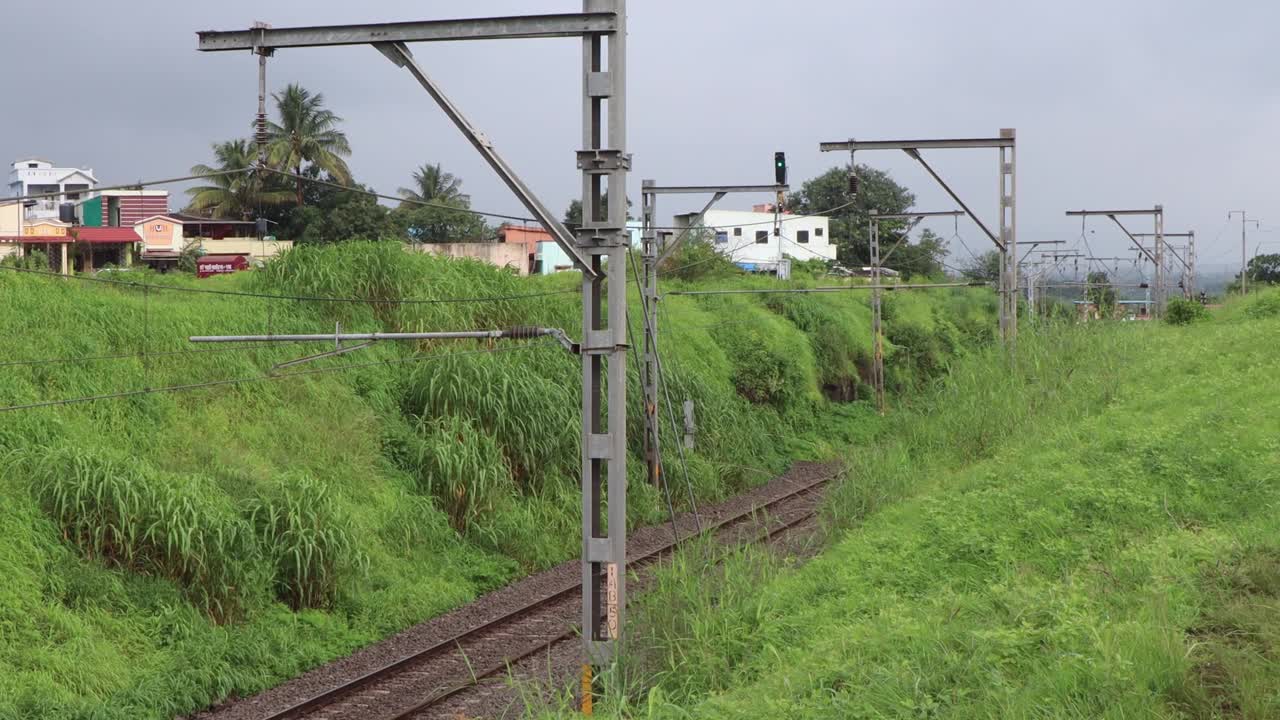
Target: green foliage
point(165, 551)
point(233, 192)
point(1184, 312)
point(848, 227)
point(31, 260)
point(307, 134)
point(1265, 269)
point(342, 216)
point(984, 267)
point(1118, 562)
point(1101, 293)
point(697, 258)
point(126, 515)
point(1265, 305)
point(305, 535)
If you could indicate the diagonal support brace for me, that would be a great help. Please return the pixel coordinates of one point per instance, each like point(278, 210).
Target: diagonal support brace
point(399, 54)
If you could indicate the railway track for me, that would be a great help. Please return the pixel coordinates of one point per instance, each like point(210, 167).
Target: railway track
point(426, 678)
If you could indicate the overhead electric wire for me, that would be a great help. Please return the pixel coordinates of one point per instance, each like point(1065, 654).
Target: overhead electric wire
point(259, 378)
point(657, 355)
point(397, 198)
point(296, 298)
point(84, 360)
point(133, 186)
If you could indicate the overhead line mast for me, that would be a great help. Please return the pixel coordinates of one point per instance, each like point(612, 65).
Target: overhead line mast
point(598, 248)
point(1007, 240)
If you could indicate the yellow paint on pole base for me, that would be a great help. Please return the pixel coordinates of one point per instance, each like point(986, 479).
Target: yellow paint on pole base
point(587, 694)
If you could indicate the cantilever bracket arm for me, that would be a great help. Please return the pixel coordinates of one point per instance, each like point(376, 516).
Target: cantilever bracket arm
point(905, 234)
point(1132, 239)
point(398, 53)
point(675, 244)
point(920, 159)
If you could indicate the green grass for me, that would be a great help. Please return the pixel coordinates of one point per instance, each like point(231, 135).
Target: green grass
point(165, 551)
point(1085, 532)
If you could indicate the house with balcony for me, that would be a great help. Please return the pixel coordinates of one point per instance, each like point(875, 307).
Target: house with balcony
point(34, 176)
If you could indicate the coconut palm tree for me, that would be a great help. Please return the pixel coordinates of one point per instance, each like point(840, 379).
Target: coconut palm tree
point(240, 195)
point(432, 184)
point(307, 134)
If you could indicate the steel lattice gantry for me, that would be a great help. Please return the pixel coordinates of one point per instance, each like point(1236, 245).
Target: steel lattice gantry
point(1157, 257)
point(1007, 240)
point(598, 248)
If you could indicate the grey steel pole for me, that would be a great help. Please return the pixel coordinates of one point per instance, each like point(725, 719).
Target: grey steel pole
point(1009, 233)
point(603, 239)
point(877, 331)
point(1162, 298)
point(1244, 259)
point(649, 306)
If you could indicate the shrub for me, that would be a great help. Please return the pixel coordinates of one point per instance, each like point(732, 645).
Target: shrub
point(456, 462)
point(120, 513)
point(305, 537)
point(1264, 306)
point(1184, 312)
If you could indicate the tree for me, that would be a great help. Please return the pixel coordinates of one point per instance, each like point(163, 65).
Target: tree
point(307, 134)
point(238, 196)
point(849, 225)
point(432, 184)
point(344, 215)
point(984, 267)
point(434, 224)
point(922, 259)
point(1264, 269)
point(1101, 293)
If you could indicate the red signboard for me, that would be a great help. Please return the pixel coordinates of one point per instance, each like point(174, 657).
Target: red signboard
point(220, 265)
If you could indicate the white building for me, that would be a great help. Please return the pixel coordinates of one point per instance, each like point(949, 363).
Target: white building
point(748, 239)
point(34, 176)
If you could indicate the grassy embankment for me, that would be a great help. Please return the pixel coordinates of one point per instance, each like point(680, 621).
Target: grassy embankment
point(1090, 533)
point(163, 551)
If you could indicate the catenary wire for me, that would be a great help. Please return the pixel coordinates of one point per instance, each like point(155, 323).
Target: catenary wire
point(259, 378)
point(298, 298)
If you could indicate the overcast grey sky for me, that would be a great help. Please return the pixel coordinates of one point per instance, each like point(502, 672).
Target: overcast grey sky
point(1116, 104)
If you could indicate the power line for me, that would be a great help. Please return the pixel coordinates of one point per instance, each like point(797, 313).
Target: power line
point(135, 186)
point(298, 298)
point(260, 378)
point(371, 193)
point(828, 289)
point(84, 360)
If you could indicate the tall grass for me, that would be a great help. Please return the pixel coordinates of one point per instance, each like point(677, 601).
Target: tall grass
point(304, 534)
point(167, 550)
point(123, 514)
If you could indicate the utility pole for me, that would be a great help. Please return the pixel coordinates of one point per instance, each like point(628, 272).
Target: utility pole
point(1007, 240)
point(598, 248)
point(1157, 258)
point(1244, 245)
point(653, 255)
point(877, 302)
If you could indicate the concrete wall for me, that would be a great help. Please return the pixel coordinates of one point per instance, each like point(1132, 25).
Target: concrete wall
point(254, 248)
point(159, 234)
point(497, 254)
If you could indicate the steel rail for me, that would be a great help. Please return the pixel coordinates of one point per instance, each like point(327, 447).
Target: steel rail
point(336, 694)
point(572, 632)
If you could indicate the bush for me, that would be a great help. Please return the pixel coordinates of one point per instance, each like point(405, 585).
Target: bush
point(1265, 306)
point(1184, 312)
point(121, 514)
point(306, 539)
